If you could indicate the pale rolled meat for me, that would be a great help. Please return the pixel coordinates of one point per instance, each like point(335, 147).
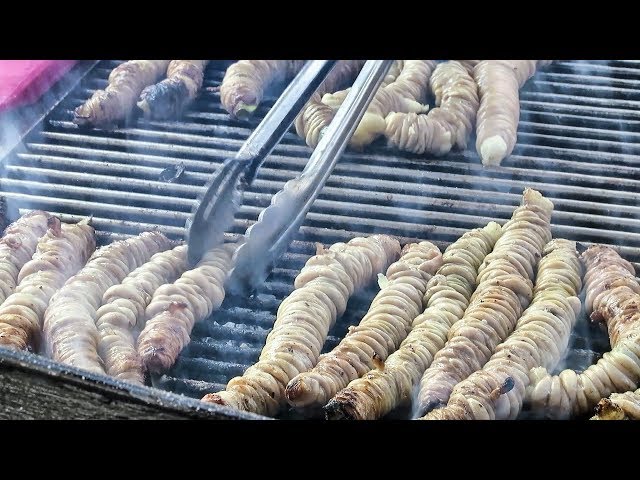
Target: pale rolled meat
point(115, 103)
point(122, 314)
point(446, 298)
point(406, 93)
point(504, 290)
point(496, 392)
point(70, 332)
point(444, 127)
point(17, 246)
point(499, 82)
point(380, 332)
point(612, 296)
point(177, 306)
point(168, 98)
point(304, 318)
point(246, 81)
point(60, 253)
point(315, 115)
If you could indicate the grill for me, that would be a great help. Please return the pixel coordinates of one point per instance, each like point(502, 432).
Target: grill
point(577, 143)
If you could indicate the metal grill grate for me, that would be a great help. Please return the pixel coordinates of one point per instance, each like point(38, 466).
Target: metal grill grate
point(577, 143)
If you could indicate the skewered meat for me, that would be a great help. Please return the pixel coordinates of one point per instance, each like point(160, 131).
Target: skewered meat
point(176, 307)
point(115, 103)
point(405, 94)
point(61, 252)
point(380, 332)
point(540, 338)
point(172, 95)
point(447, 296)
point(504, 290)
point(245, 82)
point(122, 314)
point(70, 332)
point(497, 122)
point(619, 406)
point(315, 115)
point(303, 321)
point(17, 247)
point(444, 127)
point(612, 296)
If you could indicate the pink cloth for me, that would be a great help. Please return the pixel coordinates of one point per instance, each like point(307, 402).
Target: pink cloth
point(23, 82)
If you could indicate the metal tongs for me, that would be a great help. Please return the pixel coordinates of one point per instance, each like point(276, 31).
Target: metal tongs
point(214, 211)
point(267, 239)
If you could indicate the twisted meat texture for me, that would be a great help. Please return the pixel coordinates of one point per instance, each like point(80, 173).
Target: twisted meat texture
point(122, 314)
point(612, 296)
point(70, 332)
point(380, 332)
point(406, 93)
point(315, 115)
point(541, 336)
point(116, 102)
point(619, 406)
point(246, 81)
point(304, 318)
point(497, 122)
point(504, 290)
point(446, 298)
point(444, 127)
point(17, 246)
point(60, 253)
point(172, 95)
point(176, 307)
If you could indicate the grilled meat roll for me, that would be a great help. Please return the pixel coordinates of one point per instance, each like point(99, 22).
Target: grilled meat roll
point(115, 103)
point(70, 332)
point(380, 332)
point(405, 94)
point(612, 296)
point(176, 307)
point(60, 253)
point(122, 314)
point(497, 122)
point(246, 81)
point(303, 321)
point(17, 246)
point(444, 127)
point(504, 290)
point(540, 339)
point(168, 98)
point(446, 298)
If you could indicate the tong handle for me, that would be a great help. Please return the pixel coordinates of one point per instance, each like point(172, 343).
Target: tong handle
point(269, 237)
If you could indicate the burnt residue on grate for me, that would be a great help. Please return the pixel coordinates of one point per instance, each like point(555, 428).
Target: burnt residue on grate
point(578, 143)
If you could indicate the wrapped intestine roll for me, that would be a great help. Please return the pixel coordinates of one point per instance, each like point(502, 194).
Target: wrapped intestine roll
point(499, 82)
point(246, 81)
point(612, 296)
point(380, 332)
point(70, 332)
point(122, 314)
point(114, 103)
point(446, 298)
point(504, 290)
point(496, 392)
point(60, 253)
point(304, 318)
point(444, 127)
point(17, 246)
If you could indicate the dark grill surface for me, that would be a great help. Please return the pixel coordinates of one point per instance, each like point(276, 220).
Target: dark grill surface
point(578, 144)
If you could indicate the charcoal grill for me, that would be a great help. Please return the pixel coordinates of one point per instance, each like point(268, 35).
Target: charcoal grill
point(578, 143)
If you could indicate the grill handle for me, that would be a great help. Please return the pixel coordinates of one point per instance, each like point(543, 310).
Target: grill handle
point(267, 239)
point(214, 211)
